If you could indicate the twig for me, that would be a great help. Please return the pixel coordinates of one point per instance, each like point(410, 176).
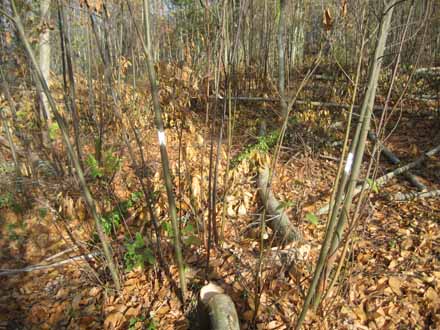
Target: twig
point(329, 157)
point(61, 253)
point(28, 269)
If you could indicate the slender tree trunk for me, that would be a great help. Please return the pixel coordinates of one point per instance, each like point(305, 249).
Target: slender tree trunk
point(65, 134)
point(163, 149)
point(44, 53)
point(354, 161)
point(281, 58)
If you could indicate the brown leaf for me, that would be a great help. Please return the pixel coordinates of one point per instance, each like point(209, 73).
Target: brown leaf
point(94, 291)
point(113, 320)
point(344, 8)
point(248, 315)
point(432, 295)
point(38, 314)
point(133, 311)
point(327, 20)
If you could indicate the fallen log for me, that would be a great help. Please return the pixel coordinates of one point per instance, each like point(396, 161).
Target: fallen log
point(394, 160)
point(401, 197)
point(278, 221)
point(276, 216)
point(385, 178)
point(408, 166)
point(217, 310)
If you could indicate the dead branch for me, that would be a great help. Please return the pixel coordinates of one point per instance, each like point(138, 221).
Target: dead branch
point(394, 160)
point(28, 269)
point(401, 197)
point(384, 179)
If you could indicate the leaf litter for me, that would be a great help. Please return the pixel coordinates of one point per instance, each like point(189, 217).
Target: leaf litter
point(391, 279)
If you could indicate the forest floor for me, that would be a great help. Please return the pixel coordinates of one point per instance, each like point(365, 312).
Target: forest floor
point(391, 279)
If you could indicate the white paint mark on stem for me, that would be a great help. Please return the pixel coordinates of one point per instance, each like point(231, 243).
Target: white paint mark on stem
point(349, 163)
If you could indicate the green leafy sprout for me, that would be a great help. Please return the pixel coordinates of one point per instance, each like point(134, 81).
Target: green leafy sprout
point(138, 254)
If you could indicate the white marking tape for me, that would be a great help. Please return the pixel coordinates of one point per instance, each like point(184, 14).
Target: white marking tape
point(349, 163)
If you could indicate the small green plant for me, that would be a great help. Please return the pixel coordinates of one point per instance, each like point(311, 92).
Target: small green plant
point(54, 131)
point(134, 320)
point(168, 228)
point(151, 325)
point(12, 235)
point(94, 166)
point(312, 218)
point(392, 243)
point(264, 144)
point(6, 200)
point(110, 165)
point(189, 236)
point(42, 212)
point(284, 205)
point(146, 325)
point(373, 185)
point(111, 220)
point(138, 254)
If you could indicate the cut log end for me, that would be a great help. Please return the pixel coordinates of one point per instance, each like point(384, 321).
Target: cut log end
point(218, 310)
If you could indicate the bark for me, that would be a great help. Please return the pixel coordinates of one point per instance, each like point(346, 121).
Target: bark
point(69, 83)
point(217, 310)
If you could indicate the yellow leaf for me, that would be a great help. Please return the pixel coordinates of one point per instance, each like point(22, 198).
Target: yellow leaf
point(195, 186)
point(344, 8)
point(200, 140)
point(395, 284)
point(230, 211)
point(432, 295)
point(393, 264)
point(360, 313)
point(242, 210)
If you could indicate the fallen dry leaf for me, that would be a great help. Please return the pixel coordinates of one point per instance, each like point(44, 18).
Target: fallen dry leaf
point(113, 320)
point(395, 283)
